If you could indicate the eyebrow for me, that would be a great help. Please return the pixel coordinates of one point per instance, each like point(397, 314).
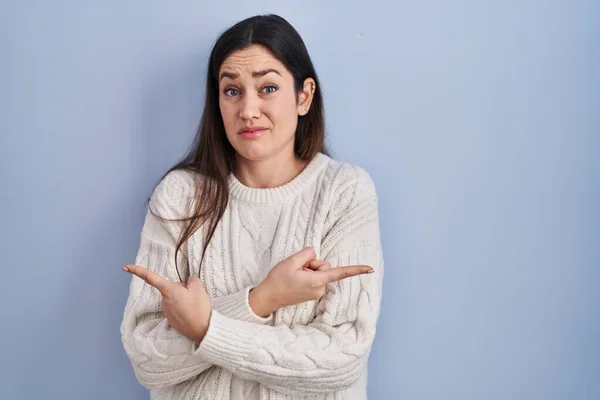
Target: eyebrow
point(256, 74)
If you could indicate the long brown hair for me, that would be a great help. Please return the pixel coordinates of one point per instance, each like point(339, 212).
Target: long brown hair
point(211, 156)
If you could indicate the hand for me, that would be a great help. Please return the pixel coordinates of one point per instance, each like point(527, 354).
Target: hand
point(186, 307)
point(297, 279)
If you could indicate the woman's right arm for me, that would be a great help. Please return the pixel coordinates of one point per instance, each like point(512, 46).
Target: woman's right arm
point(160, 355)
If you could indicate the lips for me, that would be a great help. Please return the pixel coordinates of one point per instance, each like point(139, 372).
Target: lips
point(252, 132)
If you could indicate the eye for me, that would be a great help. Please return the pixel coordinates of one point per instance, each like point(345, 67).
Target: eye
point(231, 92)
point(269, 89)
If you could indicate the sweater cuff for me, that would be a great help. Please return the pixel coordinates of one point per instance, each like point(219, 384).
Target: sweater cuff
point(226, 342)
point(237, 306)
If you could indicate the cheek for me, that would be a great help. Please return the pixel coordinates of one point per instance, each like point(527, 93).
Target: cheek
point(228, 113)
point(284, 114)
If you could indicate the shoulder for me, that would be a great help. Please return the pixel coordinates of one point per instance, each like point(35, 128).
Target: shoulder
point(174, 195)
point(348, 198)
point(352, 216)
point(349, 183)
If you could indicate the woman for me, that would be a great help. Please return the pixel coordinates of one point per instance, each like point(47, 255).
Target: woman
point(276, 242)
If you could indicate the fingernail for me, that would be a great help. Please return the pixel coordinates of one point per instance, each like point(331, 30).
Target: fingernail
point(370, 271)
point(125, 269)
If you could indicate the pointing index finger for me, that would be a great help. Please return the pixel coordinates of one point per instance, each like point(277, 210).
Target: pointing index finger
point(339, 273)
point(152, 278)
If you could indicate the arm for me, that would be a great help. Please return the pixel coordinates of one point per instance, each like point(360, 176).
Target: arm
point(160, 355)
point(328, 354)
point(243, 306)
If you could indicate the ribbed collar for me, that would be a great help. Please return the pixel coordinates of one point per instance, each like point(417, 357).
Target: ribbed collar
point(280, 193)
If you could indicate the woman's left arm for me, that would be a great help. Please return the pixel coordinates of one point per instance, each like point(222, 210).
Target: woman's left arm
point(329, 353)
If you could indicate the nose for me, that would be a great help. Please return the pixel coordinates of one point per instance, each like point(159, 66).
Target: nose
point(250, 107)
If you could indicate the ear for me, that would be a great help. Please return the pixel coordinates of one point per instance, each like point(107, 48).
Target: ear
point(305, 96)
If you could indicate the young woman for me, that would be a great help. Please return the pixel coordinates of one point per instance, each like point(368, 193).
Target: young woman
point(260, 258)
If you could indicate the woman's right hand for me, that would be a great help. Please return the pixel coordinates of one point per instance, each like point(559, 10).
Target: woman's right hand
point(297, 279)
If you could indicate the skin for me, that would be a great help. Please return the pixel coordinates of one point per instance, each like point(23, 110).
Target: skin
point(256, 90)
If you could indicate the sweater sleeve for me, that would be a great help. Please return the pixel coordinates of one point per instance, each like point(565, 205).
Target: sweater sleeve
point(330, 353)
point(160, 355)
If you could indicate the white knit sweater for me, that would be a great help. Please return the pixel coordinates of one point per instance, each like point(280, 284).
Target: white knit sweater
point(317, 349)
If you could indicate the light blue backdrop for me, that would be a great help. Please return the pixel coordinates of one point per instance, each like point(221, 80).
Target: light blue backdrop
point(479, 122)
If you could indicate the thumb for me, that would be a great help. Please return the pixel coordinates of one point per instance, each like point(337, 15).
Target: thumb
point(193, 281)
point(319, 265)
point(304, 256)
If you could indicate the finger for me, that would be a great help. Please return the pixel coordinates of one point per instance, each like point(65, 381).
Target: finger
point(304, 256)
point(325, 266)
point(319, 265)
point(314, 264)
point(193, 281)
point(339, 273)
point(150, 277)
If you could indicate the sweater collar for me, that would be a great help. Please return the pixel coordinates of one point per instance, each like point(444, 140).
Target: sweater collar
point(281, 193)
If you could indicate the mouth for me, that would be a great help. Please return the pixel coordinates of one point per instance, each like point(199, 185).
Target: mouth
point(253, 132)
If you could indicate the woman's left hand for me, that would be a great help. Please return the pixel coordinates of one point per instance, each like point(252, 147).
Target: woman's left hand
point(186, 306)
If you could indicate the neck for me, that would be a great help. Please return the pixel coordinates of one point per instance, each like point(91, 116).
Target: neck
point(272, 172)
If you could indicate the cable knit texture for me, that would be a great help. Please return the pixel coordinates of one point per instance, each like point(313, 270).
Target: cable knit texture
point(313, 350)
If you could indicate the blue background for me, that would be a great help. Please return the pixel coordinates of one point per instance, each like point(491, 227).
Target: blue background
point(479, 122)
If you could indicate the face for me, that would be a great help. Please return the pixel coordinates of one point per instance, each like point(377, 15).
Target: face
point(259, 104)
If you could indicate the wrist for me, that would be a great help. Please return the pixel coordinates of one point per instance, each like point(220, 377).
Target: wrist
point(203, 328)
point(260, 301)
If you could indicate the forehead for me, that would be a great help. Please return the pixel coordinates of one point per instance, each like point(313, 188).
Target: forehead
point(251, 59)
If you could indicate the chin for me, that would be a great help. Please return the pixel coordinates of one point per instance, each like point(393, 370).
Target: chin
point(254, 151)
